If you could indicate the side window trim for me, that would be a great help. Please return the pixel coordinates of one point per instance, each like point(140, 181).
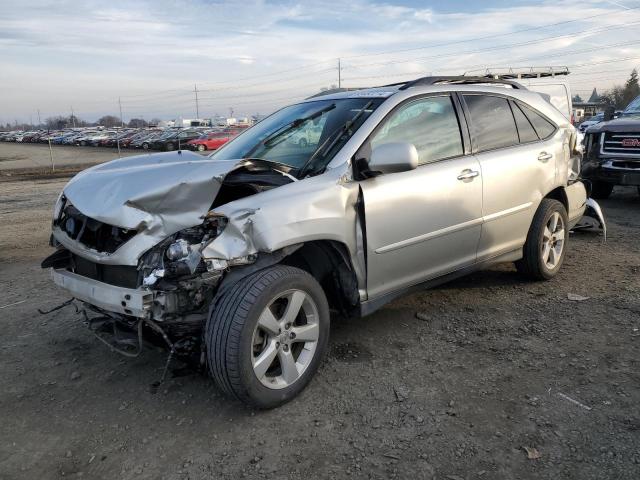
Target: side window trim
point(364, 151)
point(555, 127)
point(513, 104)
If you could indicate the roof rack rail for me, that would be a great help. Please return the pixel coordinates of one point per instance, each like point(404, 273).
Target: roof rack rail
point(459, 80)
point(519, 73)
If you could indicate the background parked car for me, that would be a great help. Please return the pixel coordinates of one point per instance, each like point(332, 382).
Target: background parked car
point(211, 141)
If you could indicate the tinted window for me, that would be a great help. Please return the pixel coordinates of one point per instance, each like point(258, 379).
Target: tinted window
point(430, 124)
point(491, 122)
point(543, 126)
point(525, 130)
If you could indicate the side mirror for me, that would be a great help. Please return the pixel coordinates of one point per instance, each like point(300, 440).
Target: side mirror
point(393, 158)
point(608, 113)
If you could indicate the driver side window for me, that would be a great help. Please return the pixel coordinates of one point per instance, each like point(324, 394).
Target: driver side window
point(430, 124)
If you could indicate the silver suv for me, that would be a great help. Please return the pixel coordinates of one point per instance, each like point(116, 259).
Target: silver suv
point(237, 259)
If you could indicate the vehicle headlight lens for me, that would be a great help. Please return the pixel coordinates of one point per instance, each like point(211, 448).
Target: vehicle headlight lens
point(178, 250)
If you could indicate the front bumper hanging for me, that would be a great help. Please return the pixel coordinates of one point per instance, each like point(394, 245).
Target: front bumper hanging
point(127, 301)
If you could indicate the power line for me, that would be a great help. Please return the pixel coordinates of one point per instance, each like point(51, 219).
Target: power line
point(486, 37)
point(497, 47)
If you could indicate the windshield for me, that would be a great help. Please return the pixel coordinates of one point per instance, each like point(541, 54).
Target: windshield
point(633, 108)
point(292, 135)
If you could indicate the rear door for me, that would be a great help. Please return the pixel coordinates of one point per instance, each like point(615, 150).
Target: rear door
point(425, 222)
point(518, 167)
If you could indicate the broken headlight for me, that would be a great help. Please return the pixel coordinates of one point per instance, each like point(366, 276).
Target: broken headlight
point(179, 255)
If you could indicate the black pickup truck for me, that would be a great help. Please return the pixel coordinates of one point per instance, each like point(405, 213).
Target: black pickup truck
point(612, 152)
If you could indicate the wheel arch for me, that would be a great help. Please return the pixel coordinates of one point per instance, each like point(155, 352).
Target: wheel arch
point(328, 261)
point(560, 195)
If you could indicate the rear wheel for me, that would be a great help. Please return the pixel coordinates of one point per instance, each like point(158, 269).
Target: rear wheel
point(169, 147)
point(267, 335)
point(201, 147)
point(601, 190)
point(544, 250)
point(145, 146)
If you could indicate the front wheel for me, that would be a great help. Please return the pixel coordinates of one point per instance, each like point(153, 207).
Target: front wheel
point(267, 335)
point(169, 147)
point(201, 147)
point(546, 244)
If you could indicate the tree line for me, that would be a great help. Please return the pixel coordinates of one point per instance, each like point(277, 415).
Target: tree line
point(619, 96)
point(59, 122)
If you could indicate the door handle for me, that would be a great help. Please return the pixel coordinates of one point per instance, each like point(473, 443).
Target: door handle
point(544, 157)
point(468, 174)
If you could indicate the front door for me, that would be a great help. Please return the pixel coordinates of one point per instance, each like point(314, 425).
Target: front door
point(425, 222)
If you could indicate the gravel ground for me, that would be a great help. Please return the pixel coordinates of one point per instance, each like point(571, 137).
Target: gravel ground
point(452, 383)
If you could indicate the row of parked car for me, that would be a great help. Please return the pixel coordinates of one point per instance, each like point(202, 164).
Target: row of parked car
point(167, 139)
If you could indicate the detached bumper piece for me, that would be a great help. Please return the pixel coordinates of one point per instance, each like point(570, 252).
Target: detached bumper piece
point(126, 301)
point(593, 219)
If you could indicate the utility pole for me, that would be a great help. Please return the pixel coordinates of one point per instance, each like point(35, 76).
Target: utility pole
point(73, 117)
point(195, 90)
point(39, 122)
point(121, 125)
point(121, 117)
point(339, 73)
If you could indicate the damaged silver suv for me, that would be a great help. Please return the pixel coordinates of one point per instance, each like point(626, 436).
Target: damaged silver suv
point(238, 259)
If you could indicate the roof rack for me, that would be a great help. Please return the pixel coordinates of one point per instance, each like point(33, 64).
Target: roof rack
point(519, 73)
point(458, 79)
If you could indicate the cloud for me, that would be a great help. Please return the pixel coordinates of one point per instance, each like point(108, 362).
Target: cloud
point(151, 53)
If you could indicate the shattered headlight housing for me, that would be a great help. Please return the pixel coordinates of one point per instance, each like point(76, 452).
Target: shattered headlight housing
point(180, 255)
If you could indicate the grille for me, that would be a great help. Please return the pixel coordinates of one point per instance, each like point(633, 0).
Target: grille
point(91, 233)
point(621, 143)
point(118, 275)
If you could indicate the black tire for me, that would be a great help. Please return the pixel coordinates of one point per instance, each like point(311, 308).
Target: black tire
point(169, 147)
point(230, 328)
point(201, 147)
point(532, 264)
point(601, 190)
point(145, 146)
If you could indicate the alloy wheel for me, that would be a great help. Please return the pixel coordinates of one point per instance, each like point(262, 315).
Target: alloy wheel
point(553, 241)
point(285, 339)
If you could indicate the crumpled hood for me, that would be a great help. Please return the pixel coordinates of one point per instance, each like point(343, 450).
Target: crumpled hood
point(161, 193)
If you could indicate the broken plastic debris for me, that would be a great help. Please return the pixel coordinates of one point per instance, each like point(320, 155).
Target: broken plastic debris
point(532, 453)
point(575, 402)
point(153, 277)
point(576, 298)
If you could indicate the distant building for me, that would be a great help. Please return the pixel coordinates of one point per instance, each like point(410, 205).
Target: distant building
point(584, 110)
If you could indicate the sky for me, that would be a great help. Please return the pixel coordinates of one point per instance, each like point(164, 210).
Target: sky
point(256, 55)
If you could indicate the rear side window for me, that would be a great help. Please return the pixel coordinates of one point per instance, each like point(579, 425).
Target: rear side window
point(543, 127)
point(492, 122)
point(525, 130)
point(430, 124)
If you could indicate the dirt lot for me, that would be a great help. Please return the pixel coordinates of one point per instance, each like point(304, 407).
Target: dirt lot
point(35, 156)
point(494, 364)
